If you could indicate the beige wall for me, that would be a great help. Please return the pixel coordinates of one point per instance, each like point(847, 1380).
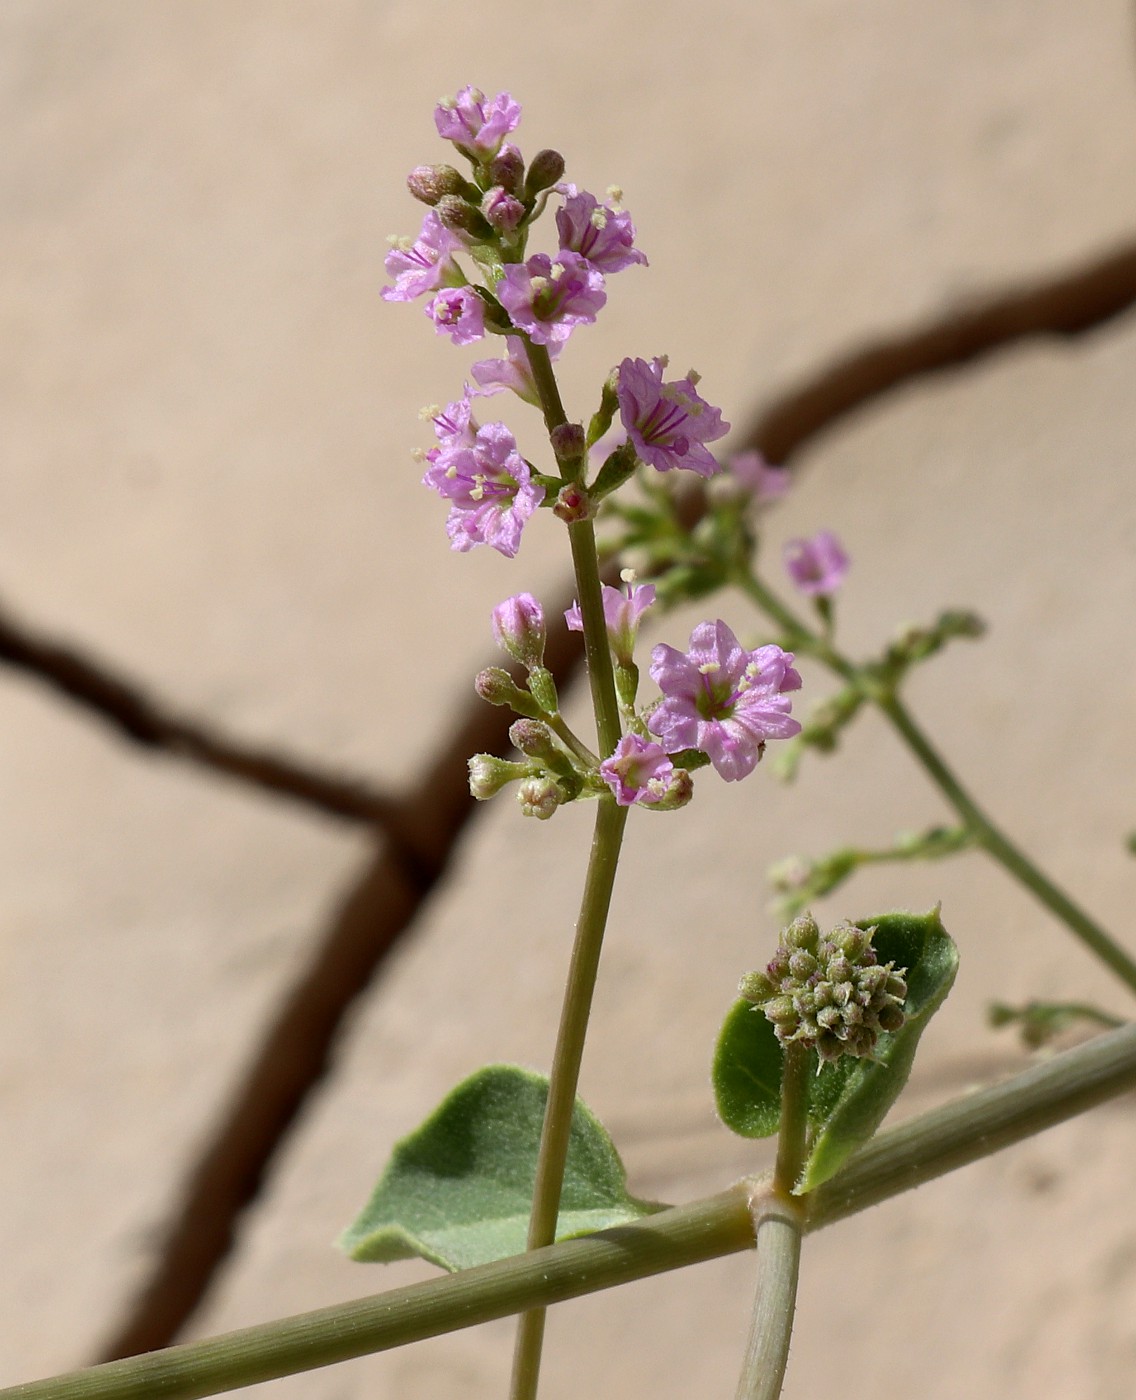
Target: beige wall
point(208, 420)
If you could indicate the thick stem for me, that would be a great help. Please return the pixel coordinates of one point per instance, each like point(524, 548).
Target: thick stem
point(985, 833)
point(778, 1233)
point(972, 1127)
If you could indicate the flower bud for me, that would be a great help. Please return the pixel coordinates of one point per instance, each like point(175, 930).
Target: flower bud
point(545, 169)
point(502, 210)
point(429, 183)
point(540, 797)
point(532, 738)
point(802, 933)
point(755, 986)
point(518, 628)
point(461, 217)
point(488, 775)
point(507, 169)
point(572, 504)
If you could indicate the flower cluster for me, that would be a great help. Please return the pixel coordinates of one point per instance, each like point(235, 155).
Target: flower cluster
point(720, 702)
point(536, 301)
point(828, 993)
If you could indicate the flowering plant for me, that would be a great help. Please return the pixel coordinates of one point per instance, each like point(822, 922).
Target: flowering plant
point(512, 1184)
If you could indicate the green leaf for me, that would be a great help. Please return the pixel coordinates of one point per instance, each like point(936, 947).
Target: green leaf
point(458, 1190)
point(867, 1088)
point(747, 1073)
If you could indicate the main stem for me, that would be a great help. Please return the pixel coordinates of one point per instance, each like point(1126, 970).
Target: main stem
point(966, 1130)
point(986, 834)
point(598, 885)
point(778, 1218)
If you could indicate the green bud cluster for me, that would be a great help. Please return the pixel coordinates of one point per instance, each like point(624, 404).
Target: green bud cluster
point(828, 993)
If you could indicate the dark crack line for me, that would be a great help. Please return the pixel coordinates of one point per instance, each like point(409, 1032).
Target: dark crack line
point(295, 1052)
point(142, 720)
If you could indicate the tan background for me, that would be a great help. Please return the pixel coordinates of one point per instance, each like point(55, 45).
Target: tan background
point(208, 416)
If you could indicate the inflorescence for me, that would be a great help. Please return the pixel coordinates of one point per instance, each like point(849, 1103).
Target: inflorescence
point(828, 993)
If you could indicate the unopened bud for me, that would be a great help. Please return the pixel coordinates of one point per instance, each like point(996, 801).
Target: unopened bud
point(507, 169)
point(502, 210)
point(518, 628)
point(756, 986)
point(430, 183)
point(573, 504)
point(531, 737)
point(488, 775)
point(546, 168)
point(803, 932)
point(540, 797)
point(461, 217)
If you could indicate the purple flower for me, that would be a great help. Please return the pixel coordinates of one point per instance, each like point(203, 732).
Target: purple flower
point(622, 612)
point(603, 234)
point(490, 487)
point(722, 699)
point(425, 264)
point(518, 628)
point(817, 565)
point(455, 425)
point(668, 423)
point(512, 373)
point(503, 210)
point(638, 771)
point(459, 313)
point(757, 478)
point(549, 299)
point(477, 124)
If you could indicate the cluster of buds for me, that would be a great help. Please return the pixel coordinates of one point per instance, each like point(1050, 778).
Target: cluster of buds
point(828, 993)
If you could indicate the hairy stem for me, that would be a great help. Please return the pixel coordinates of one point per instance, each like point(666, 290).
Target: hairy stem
point(971, 1127)
point(983, 830)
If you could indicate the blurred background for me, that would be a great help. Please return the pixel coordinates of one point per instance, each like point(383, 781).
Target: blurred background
point(219, 575)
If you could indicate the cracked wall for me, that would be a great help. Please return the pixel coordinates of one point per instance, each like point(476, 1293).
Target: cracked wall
point(900, 247)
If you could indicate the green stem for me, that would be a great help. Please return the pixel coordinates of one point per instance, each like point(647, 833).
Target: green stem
point(995, 843)
point(778, 1233)
point(971, 1127)
point(778, 1228)
point(985, 833)
point(793, 1129)
point(555, 1132)
point(598, 885)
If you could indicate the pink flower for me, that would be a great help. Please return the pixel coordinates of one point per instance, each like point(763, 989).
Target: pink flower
point(518, 628)
point(600, 233)
point(490, 487)
point(424, 265)
point(818, 565)
point(550, 299)
point(477, 124)
point(512, 373)
point(454, 425)
point(722, 699)
point(668, 423)
point(638, 771)
point(757, 478)
point(459, 313)
point(622, 612)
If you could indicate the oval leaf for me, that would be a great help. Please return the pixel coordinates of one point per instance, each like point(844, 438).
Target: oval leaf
point(458, 1190)
point(868, 1088)
point(747, 1073)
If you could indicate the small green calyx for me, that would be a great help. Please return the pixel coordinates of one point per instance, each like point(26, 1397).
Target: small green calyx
point(828, 993)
